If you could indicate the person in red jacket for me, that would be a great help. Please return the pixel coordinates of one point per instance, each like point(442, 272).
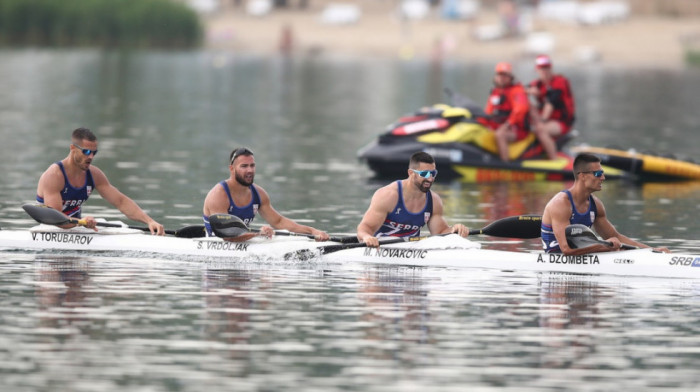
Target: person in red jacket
point(555, 111)
point(509, 109)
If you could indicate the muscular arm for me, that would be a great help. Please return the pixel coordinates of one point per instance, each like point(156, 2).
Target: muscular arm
point(50, 186)
point(558, 210)
point(437, 223)
point(382, 203)
point(122, 202)
point(216, 201)
point(280, 222)
point(606, 229)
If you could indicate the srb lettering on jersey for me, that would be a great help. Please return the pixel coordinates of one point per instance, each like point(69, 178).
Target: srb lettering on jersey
point(72, 203)
point(401, 226)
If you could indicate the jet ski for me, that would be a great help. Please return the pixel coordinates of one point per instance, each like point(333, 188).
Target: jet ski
point(464, 148)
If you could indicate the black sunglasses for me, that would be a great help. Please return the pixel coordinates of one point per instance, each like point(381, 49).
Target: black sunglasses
point(86, 151)
point(238, 152)
point(596, 173)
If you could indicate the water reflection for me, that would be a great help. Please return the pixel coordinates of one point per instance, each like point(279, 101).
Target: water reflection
point(396, 307)
point(60, 292)
point(232, 296)
point(570, 314)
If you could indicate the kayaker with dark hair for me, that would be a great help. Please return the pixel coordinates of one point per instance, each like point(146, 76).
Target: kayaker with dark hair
point(238, 196)
point(68, 183)
point(401, 208)
point(577, 205)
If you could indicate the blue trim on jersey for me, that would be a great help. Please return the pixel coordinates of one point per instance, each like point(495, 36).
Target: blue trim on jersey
point(245, 213)
point(403, 223)
point(72, 197)
point(549, 241)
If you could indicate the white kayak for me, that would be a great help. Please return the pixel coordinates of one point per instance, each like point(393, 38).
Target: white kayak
point(438, 251)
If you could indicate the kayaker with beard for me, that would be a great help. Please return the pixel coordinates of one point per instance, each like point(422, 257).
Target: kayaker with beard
point(555, 111)
point(238, 196)
point(508, 108)
point(401, 208)
point(577, 205)
point(68, 183)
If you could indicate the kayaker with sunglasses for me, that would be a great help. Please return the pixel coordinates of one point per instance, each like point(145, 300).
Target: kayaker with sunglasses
point(577, 205)
point(68, 183)
point(237, 195)
point(401, 208)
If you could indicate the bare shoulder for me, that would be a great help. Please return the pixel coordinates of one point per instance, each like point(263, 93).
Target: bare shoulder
point(386, 194)
point(215, 201)
point(558, 205)
point(384, 199)
point(98, 175)
point(51, 178)
point(264, 197)
point(599, 206)
point(215, 190)
point(558, 198)
point(52, 170)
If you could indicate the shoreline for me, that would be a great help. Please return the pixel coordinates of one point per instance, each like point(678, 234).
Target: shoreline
point(636, 42)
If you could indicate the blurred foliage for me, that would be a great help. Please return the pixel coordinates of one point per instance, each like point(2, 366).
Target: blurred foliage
point(692, 57)
point(106, 23)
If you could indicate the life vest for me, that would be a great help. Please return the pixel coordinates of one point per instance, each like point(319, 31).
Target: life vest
point(509, 104)
point(559, 94)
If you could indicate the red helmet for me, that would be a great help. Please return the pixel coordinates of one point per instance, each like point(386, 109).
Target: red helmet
point(504, 67)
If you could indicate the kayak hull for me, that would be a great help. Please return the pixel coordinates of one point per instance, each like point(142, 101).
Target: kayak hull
point(449, 251)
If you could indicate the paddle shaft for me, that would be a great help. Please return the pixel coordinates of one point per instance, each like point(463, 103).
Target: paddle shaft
point(192, 231)
point(342, 239)
point(47, 215)
point(622, 246)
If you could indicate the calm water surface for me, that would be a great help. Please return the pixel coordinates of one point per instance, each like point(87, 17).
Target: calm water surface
point(167, 122)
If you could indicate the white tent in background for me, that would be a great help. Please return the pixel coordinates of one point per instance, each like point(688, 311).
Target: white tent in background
point(340, 14)
point(258, 7)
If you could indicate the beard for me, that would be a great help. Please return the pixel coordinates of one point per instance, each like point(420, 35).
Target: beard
point(423, 186)
point(242, 180)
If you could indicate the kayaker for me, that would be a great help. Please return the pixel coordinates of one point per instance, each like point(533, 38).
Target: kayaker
point(68, 183)
point(238, 196)
point(577, 205)
point(508, 107)
point(401, 208)
point(555, 111)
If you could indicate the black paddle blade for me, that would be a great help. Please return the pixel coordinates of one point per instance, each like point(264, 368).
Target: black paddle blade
point(581, 236)
point(227, 226)
point(194, 231)
point(45, 214)
point(520, 226)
